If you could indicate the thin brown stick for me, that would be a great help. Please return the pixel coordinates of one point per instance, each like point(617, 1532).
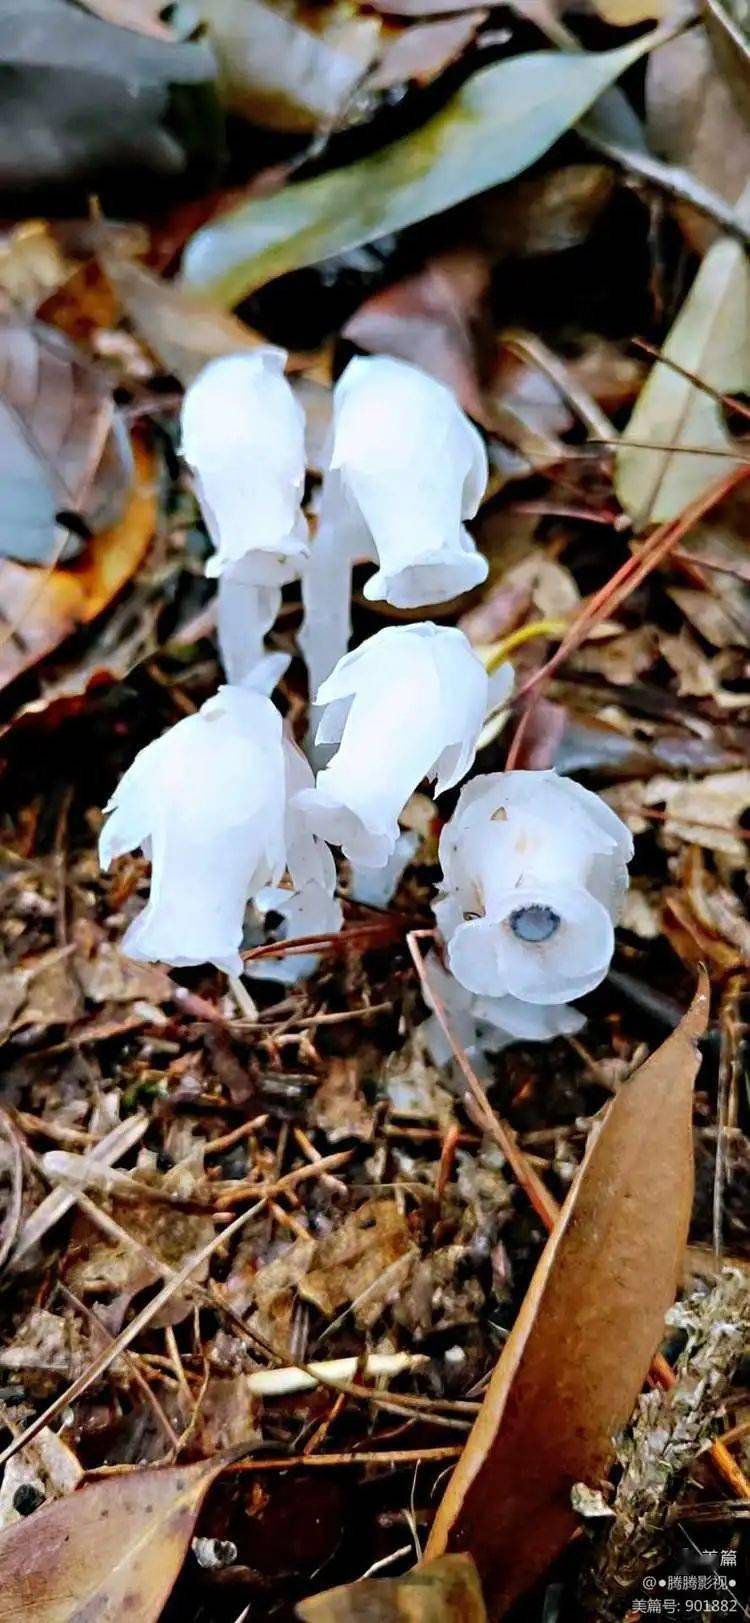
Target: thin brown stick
point(130, 1360)
point(634, 570)
point(13, 1215)
point(477, 1104)
point(402, 1456)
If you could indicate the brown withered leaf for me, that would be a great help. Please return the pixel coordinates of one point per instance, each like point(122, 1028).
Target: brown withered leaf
point(111, 1551)
point(544, 214)
point(693, 120)
point(339, 1107)
point(441, 1591)
point(362, 1261)
point(182, 330)
point(38, 610)
point(581, 1346)
point(421, 53)
point(428, 319)
point(62, 445)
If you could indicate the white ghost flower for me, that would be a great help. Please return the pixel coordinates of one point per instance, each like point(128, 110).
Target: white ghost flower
point(243, 434)
point(407, 704)
point(534, 872)
point(487, 1025)
point(206, 803)
point(413, 467)
point(406, 469)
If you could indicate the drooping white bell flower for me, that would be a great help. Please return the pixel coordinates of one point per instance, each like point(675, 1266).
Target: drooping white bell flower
point(243, 434)
point(487, 1025)
point(413, 468)
point(407, 704)
point(406, 469)
point(534, 872)
point(206, 803)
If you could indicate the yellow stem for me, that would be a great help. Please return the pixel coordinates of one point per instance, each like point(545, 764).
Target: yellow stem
point(494, 656)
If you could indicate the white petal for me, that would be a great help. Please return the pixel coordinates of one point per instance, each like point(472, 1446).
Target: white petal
point(243, 434)
point(415, 467)
point(207, 802)
point(534, 1022)
point(310, 911)
point(376, 887)
point(417, 702)
point(488, 957)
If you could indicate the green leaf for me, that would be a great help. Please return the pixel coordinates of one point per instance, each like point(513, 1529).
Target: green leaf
point(711, 340)
point(498, 123)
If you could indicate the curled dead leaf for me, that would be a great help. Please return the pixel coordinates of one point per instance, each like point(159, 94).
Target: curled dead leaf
point(39, 609)
point(581, 1346)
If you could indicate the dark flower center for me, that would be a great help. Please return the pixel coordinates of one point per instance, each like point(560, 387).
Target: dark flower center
point(535, 923)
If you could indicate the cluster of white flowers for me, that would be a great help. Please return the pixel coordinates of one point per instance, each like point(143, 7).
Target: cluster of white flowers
point(225, 805)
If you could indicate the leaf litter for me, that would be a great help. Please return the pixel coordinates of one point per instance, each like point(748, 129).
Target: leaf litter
point(274, 1226)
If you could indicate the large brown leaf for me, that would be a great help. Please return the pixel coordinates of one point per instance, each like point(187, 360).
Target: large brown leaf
point(580, 1349)
point(111, 1551)
point(441, 1591)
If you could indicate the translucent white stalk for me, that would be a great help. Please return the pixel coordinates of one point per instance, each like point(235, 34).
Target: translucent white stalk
point(245, 613)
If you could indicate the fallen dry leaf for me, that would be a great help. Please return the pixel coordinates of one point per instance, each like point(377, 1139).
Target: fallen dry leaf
point(710, 340)
point(581, 1346)
point(428, 319)
point(441, 1591)
point(281, 74)
point(360, 1262)
point(182, 330)
point(719, 621)
point(339, 1107)
point(704, 812)
point(142, 15)
point(423, 52)
point(111, 1551)
point(693, 120)
point(39, 610)
point(62, 445)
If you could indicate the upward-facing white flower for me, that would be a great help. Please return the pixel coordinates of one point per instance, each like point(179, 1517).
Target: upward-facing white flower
point(413, 468)
point(206, 802)
point(243, 434)
point(406, 469)
point(408, 704)
point(534, 872)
